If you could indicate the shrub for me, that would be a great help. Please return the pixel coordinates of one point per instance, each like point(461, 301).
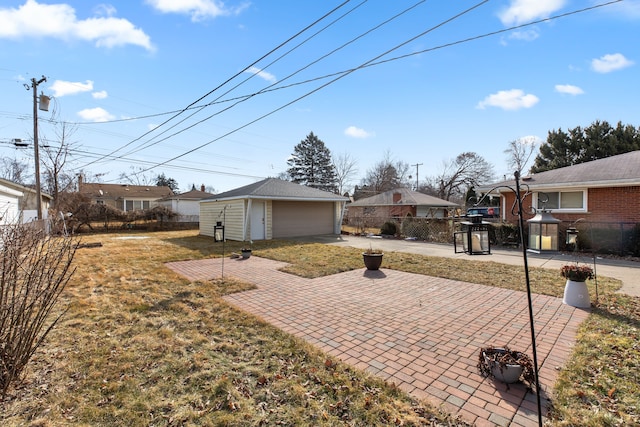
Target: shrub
point(389, 228)
point(34, 269)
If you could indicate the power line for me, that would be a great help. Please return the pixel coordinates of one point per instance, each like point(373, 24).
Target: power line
point(323, 85)
point(247, 97)
point(230, 78)
point(375, 61)
point(365, 65)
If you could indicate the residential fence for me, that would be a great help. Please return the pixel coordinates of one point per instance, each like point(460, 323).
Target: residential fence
point(618, 238)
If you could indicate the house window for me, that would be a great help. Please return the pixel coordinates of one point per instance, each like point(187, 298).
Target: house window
point(131, 205)
point(562, 200)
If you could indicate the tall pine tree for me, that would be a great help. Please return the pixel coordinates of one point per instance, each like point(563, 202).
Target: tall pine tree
point(311, 165)
point(579, 145)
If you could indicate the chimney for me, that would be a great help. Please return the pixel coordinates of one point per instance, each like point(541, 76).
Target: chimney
point(202, 188)
point(79, 182)
point(397, 197)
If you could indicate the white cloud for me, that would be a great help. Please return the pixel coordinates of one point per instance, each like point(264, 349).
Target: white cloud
point(610, 62)
point(96, 115)
point(100, 94)
point(569, 89)
point(523, 11)
point(62, 88)
point(33, 19)
point(359, 133)
point(262, 74)
point(198, 9)
point(513, 99)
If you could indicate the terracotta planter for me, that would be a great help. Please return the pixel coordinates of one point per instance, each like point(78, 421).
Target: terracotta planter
point(372, 261)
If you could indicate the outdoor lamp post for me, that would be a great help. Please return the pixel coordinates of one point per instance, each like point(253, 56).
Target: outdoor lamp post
point(218, 232)
point(543, 232)
point(474, 238)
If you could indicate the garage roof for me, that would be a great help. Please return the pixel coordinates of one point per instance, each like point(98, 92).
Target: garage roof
point(277, 189)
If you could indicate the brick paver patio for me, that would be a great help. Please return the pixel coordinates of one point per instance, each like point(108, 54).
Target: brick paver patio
point(422, 333)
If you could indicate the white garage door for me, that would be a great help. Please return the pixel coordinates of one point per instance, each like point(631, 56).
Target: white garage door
point(291, 219)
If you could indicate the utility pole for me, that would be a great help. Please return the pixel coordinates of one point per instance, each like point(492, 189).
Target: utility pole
point(417, 165)
point(34, 85)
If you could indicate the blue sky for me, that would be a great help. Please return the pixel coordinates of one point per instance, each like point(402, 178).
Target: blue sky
point(443, 78)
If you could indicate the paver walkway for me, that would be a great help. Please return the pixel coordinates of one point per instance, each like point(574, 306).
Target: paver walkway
point(422, 333)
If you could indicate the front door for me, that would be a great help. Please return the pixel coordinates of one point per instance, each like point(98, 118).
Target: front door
point(257, 220)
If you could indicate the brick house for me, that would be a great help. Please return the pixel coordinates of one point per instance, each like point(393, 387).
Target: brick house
point(603, 190)
point(400, 203)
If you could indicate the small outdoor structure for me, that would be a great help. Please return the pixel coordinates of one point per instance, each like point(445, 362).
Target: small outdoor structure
point(272, 209)
point(543, 232)
point(474, 238)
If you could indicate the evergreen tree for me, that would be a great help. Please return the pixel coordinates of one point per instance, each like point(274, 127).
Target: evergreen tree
point(598, 141)
point(164, 181)
point(311, 165)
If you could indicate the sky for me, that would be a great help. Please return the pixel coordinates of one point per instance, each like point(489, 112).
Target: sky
point(219, 94)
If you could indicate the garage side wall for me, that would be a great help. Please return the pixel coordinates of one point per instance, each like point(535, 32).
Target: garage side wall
point(233, 219)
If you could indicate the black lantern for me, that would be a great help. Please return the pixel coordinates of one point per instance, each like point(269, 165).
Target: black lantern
point(474, 238)
point(572, 236)
point(218, 232)
point(543, 232)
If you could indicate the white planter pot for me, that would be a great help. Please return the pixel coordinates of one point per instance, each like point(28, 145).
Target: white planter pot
point(576, 294)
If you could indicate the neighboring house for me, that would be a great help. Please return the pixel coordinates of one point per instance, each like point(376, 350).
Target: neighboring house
point(124, 196)
point(604, 190)
point(19, 203)
point(186, 205)
point(272, 209)
point(400, 203)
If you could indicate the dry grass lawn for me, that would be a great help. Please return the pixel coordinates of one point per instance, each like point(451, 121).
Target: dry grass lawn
point(142, 346)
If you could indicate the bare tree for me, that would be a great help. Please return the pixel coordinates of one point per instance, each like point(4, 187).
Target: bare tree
point(459, 174)
point(384, 176)
point(58, 176)
point(15, 170)
point(346, 168)
point(137, 176)
point(519, 152)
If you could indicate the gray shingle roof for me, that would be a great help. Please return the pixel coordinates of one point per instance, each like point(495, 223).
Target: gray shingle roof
point(407, 197)
point(614, 171)
point(124, 191)
point(277, 189)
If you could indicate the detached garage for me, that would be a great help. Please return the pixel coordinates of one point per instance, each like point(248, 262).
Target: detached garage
point(272, 209)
